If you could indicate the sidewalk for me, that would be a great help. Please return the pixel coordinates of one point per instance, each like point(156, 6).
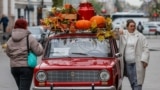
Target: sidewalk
point(1, 36)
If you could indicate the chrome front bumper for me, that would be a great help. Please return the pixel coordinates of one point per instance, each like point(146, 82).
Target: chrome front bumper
point(75, 88)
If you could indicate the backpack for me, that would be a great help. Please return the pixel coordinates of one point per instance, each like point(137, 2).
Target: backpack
point(139, 27)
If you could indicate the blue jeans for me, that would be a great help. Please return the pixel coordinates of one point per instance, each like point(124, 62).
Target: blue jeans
point(23, 77)
point(132, 76)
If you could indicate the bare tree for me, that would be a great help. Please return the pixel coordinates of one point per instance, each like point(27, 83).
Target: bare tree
point(57, 3)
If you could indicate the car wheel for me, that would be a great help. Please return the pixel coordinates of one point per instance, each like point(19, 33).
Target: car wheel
point(120, 88)
point(116, 85)
point(156, 33)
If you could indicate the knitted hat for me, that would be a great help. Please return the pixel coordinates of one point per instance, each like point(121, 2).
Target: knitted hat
point(21, 23)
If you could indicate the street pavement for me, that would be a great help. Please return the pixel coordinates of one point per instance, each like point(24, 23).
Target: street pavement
point(6, 80)
point(152, 79)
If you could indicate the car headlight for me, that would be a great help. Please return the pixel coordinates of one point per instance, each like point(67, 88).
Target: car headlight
point(104, 75)
point(41, 76)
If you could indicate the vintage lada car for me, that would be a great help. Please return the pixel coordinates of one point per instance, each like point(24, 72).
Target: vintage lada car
point(79, 61)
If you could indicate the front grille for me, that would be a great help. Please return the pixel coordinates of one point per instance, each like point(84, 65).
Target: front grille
point(73, 76)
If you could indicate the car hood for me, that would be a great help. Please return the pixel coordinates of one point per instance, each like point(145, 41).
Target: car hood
point(77, 63)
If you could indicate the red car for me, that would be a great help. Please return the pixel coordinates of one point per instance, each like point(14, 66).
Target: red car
point(79, 62)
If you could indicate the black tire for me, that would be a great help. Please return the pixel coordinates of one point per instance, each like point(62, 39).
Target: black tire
point(120, 88)
point(158, 33)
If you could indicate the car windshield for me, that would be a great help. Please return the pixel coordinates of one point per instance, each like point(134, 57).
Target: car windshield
point(79, 47)
point(152, 26)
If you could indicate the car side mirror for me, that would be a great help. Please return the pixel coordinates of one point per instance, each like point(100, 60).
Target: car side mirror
point(118, 55)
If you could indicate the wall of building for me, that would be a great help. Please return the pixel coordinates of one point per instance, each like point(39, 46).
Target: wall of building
point(31, 17)
point(7, 8)
point(1, 5)
point(14, 9)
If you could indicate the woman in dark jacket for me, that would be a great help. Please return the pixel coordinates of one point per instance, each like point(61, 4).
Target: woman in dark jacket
point(17, 52)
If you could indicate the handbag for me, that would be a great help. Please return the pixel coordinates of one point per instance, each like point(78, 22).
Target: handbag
point(31, 58)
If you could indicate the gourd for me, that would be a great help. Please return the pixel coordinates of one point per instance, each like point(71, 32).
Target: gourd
point(99, 20)
point(83, 24)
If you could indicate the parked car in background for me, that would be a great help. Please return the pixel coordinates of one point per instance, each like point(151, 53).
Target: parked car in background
point(149, 29)
point(157, 24)
point(36, 32)
point(79, 61)
point(39, 33)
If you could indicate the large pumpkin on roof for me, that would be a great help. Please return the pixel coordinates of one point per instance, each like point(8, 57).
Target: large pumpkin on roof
point(99, 20)
point(83, 24)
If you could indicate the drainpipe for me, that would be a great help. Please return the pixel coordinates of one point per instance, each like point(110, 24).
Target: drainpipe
point(28, 12)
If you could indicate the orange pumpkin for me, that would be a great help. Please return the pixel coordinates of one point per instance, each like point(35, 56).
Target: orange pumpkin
point(83, 24)
point(100, 21)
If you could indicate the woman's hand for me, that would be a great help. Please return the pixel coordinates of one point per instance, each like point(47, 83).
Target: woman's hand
point(117, 33)
point(144, 64)
point(120, 31)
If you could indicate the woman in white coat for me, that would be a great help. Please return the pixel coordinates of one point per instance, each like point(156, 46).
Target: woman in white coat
point(135, 54)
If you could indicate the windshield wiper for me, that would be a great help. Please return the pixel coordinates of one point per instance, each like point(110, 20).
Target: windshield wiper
point(80, 53)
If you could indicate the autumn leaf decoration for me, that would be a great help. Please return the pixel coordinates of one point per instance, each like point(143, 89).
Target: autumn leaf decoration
point(103, 33)
point(93, 27)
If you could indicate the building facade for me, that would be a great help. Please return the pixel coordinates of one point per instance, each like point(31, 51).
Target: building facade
point(31, 10)
point(7, 8)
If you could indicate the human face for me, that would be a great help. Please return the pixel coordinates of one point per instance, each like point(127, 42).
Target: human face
point(131, 27)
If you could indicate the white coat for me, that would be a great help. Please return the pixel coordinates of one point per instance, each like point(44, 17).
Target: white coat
point(141, 53)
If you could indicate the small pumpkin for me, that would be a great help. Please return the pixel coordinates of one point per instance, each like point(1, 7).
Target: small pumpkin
point(83, 24)
point(100, 20)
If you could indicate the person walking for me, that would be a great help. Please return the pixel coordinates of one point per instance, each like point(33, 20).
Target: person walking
point(135, 54)
point(5, 21)
point(140, 27)
point(17, 51)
